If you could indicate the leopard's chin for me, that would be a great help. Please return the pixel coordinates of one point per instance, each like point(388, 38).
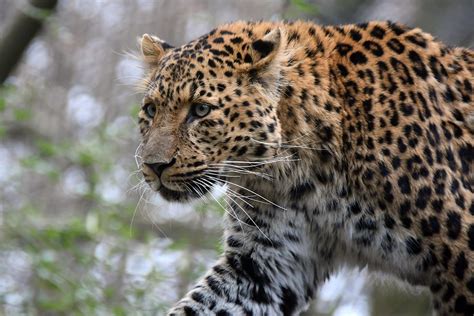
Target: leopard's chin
point(176, 196)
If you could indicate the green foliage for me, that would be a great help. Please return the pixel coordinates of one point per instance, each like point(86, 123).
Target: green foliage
point(62, 250)
point(3, 131)
point(134, 111)
point(300, 8)
point(46, 149)
point(305, 6)
point(2, 104)
point(22, 115)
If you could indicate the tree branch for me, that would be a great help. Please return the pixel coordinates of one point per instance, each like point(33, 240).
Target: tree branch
point(22, 31)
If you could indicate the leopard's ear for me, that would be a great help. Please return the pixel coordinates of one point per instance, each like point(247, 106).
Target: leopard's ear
point(153, 49)
point(262, 51)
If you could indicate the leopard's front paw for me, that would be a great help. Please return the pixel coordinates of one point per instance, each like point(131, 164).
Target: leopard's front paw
point(189, 308)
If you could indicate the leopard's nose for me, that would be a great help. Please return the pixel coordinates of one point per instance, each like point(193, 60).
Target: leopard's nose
point(159, 167)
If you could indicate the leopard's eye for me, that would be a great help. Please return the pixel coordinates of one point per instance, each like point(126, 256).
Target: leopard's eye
point(200, 109)
point(150, 110)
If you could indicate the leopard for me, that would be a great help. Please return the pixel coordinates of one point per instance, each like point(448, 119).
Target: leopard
point(337, 145)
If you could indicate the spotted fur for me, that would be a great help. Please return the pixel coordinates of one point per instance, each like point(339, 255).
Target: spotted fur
point(352, 145)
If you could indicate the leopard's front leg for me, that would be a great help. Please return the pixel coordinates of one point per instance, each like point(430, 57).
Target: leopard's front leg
point(266, 269)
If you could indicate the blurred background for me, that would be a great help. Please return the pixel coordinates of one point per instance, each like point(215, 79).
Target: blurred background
point(78, 234)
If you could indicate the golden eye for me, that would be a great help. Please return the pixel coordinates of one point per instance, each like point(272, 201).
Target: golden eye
point(200, 109)
point(150, 110)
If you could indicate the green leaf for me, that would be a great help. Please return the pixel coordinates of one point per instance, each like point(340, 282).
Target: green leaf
point(134, 109)
point(22, 115)
point(46, 148)
point(86, 158)
point(53, 175)
point(119, 311)
point(2, 104)
point(29, 162)
point(305, 6)
point(179, 244)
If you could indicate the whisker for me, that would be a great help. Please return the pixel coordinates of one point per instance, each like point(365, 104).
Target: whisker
point(250, 218)
point(216, 173)
point(235, 194)
point(136, 186)
point(135, 211)
point(204, 184)
point(272, 160)
point(137, 156)
point(238, 167)
point(154, 222)
point(199, 192)
point(209, 180)
point(265, 199)
point(287, 146)
point(223, 172)
point(297, 138)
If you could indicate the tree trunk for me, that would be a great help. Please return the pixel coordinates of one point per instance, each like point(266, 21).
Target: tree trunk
point(26, 25)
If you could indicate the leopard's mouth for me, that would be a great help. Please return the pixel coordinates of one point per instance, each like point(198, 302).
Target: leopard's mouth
point(179, 189)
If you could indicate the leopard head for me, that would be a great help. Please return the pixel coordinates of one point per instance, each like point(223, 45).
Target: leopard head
point(208, 103)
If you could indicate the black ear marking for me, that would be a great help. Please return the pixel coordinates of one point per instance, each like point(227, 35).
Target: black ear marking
point(166, 46)
point(264, 48)
point(262, 51)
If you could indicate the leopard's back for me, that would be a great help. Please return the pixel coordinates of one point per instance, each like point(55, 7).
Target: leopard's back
point(408, 100)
